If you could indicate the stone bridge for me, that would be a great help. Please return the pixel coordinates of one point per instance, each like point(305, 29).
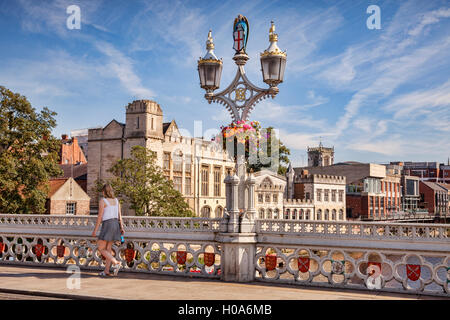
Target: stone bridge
point(374, 256)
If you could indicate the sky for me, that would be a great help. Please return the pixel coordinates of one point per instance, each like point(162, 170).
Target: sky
point(376, 95)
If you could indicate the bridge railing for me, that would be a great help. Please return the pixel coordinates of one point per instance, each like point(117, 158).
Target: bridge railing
point(396, 257)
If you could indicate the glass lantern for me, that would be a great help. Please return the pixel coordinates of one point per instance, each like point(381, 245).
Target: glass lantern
point(209, 68)
point(273, 61)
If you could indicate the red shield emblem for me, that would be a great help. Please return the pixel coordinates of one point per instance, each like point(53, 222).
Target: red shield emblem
point(210, 258)
point(129, 254)
point(181, 257)
point(271, 262)
point(60, 251)
point(413, 271)
point(38, 250)
point(303, 264)
point(2, 247)
point(371, 263)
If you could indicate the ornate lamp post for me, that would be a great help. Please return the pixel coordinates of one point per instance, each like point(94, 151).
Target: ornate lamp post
point(239, 98)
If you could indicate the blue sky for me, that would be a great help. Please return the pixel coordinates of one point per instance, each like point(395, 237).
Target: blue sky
point(375, 95)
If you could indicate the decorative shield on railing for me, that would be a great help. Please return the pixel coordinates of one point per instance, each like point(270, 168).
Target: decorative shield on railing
point(448, 275)
point(19, 249)
point(270, 261)
point(413, 271)
point(154, 255)
point(129, 254)
point(60, 250)
point(82, 252)
point(38, 250)
point(303, 264)
point(2, 247)
point(181, 257)
point(337, 266)
point(210, 258)
point(372, 263)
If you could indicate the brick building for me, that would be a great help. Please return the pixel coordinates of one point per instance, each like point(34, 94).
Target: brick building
point(371, 190)
point(71, 152)
point(67, 197)
point(433, 197)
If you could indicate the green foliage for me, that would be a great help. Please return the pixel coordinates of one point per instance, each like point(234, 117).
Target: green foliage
point(28, 154)
point(139, 181)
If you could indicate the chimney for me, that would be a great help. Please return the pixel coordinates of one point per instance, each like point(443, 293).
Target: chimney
point(64, 136)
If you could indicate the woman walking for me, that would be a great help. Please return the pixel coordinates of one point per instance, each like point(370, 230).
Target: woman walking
point(109, 216)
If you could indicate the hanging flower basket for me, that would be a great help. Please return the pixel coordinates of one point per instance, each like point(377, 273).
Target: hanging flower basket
point(209, 258)
point(244, 133)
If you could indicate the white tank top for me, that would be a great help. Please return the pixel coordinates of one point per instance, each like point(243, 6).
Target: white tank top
point(110, 211)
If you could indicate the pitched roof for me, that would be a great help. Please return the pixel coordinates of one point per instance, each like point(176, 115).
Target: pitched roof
point(55, 184)
point(79, 170)
point(434, 186)
point(166, 126)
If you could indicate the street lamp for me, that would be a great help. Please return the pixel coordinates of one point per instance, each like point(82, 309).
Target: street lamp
point(241, 95)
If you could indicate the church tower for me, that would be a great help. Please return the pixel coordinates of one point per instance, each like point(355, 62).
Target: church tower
point(144, 126)
point(320, 156)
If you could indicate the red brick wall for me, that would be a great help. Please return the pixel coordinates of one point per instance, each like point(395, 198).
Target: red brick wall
point(72, 153)
point(428, 197)
point(355, 203)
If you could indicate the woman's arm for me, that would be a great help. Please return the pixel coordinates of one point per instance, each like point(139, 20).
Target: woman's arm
point(101, 206)
point(120, 217)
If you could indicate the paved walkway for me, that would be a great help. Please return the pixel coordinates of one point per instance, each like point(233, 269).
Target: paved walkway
point(52, 282)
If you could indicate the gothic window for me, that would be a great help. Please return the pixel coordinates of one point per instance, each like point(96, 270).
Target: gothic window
point(275, 198)
point(177, 183)
point(261, 213)
point(326, 196)
point(217, 181)
point(187, 165)
point(269, 214)
point(294, 214)
point(341, 214)
point(218, 212)
point(301, 214)
point(286, 214)
point(267, 197)
point(341, 195)
point(206, 212)
point(327, 214)
point(319, 214)
point(307, 196)
point(187, 186)
point(319, 194)
point(333, 195)
point(166, 161)
point(276, 214)
point(333, 215)
point(307, 215)
point(205, 180)
point(260, 198)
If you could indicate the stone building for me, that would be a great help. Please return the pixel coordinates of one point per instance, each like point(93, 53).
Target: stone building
point(325, 192)
point(269, 194)
point(320, 156)
point(67, 197)
point(195, 167)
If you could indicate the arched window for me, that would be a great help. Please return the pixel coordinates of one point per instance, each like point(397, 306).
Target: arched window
point(287, 213)
point(218, 212)
point(301, 215)
point(206, 212)
point(269, 214)
point(319, 214)
point(341, 214)
point(333, 214)
point(276, 214)
point(261, 213)
point(294, 214)
point(327, 214)
point(308, 214)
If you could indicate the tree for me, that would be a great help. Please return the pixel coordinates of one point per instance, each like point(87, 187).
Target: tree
point(28, 154)
point(283, 153)
point(140, 181)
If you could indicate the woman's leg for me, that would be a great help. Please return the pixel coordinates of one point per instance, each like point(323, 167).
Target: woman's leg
point(102, 248)
point(109, 248)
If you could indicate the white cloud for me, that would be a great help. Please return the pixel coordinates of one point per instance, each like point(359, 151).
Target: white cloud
point(428, 18)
